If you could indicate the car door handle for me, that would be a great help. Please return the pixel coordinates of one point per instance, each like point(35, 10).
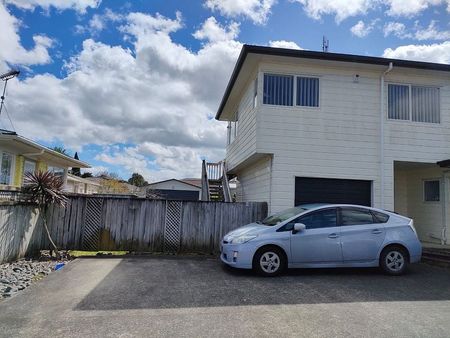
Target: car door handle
point(377, 231)
point(333, 235)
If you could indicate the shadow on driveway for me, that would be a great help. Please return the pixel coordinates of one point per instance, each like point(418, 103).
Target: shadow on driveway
point(137, 283)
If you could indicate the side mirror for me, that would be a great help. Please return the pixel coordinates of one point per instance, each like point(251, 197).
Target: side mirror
point(298, 227)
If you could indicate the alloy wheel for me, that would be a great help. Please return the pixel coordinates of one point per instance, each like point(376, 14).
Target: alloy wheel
point(270, 262)
point(395, 261)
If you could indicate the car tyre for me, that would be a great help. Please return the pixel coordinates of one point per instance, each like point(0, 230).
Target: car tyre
point(394, 260)
point(269, 261)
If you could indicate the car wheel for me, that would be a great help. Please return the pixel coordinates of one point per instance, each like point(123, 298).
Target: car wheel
point(394, 260)
point(269, 261)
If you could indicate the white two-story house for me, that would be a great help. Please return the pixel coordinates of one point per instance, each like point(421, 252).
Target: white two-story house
point(308, 127)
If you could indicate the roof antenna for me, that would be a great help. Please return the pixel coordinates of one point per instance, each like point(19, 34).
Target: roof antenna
point(5, 77)
point(325, 44)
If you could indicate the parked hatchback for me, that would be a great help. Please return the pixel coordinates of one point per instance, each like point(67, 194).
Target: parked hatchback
point(324, 235)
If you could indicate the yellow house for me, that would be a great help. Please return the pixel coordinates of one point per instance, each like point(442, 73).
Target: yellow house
point(19, 155)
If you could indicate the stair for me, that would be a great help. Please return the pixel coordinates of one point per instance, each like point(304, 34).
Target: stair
point(215, 186)
point(436, 256)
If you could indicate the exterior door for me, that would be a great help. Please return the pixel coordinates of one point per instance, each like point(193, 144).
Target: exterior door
point(320, 241)
point(361, 235)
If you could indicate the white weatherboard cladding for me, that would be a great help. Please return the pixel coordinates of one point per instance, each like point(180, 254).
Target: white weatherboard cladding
point(254, 182)
point(341, 137)
point(244, 145)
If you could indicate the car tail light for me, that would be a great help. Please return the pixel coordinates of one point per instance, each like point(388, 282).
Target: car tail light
point(411, 225)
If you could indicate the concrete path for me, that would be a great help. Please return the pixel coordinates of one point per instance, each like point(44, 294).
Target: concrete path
point(152, 297)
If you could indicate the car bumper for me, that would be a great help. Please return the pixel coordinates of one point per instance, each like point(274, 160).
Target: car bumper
point(237, 255)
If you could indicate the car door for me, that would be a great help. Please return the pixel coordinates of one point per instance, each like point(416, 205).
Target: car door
point(361, 234)
point(319, 242)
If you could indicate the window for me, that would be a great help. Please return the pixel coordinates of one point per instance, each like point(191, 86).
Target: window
point(319, 219)
point(356, 216)
point(307, 91)
point(278, 89)
point(6, 168)
point(431, 191)
point(413, 103)
point(28, 167)
point(56, 170)
point(379, 217)
point(232, 129)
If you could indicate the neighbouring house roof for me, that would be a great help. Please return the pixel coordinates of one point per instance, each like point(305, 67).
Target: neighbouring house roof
point(306, 54)
point(184, 181)
point(193, 181)
point(79, 179)
point(32, 148)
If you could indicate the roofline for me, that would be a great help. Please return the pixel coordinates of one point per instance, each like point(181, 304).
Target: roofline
point(173, 179)
point(307, 54)
point(29, 142)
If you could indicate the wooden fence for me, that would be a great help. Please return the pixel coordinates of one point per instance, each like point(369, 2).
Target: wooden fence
point(104, 223)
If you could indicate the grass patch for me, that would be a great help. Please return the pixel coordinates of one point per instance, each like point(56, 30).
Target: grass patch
point(77, 253)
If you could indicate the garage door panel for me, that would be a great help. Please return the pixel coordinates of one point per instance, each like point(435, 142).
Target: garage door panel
point(326, 190)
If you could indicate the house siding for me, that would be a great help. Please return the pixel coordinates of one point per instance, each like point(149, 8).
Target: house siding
point(244, 144)
point(254, 181)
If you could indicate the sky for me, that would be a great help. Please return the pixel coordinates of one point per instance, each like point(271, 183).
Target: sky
point(133, 86)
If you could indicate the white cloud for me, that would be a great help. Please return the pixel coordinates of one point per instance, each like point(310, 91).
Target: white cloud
point(396, 28)
point(212, 31)
point(432, 33)
point(256, 10)
point(342, 9)
point(158, 93)
point(99, 22)
point(409, 8)
point(12, 51)
point(361, 30)
point(439, 53)
point(284, 44)
point(78, 5)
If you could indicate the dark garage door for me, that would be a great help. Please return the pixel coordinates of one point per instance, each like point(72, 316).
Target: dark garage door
point(327, 190)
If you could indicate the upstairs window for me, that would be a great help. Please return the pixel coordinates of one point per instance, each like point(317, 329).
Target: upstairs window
point(308, 91)
point(278, 90)
point(413, 103)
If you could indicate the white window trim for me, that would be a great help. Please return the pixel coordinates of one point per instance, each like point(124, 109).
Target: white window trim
point(423, 190)
point(410, 120)
point(294, 88)
point(13, 166)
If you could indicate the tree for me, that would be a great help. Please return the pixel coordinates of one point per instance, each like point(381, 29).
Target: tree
point(76, 171)
point(137, 180)
point(61, 150)
point(44, 188)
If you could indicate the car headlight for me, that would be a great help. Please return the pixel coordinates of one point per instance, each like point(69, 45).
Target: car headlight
point(242, 239)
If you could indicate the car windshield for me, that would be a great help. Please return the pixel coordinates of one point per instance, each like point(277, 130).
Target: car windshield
point(282, 216)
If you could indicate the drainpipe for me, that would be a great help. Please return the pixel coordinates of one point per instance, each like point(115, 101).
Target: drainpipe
point(382, 118)
point(445, 199)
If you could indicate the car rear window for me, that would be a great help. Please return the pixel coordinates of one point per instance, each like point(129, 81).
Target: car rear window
point(379, 217)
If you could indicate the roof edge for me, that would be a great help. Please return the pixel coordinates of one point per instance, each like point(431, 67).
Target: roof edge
point(307, 54)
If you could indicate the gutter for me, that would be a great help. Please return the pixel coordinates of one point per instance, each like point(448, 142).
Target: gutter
point(382, 118)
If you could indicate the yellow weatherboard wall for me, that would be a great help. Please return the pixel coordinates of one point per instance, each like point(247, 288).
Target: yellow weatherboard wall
point(41, 166)
point(18, 171)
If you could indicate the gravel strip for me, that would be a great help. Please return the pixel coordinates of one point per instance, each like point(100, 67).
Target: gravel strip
point(17, 276)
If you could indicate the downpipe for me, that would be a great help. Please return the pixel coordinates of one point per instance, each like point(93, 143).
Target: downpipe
point(382, 118)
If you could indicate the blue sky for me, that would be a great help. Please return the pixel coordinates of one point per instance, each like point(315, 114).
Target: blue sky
point(130, 84)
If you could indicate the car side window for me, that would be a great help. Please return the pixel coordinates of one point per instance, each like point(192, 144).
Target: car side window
point(379, 217)
point(319, 219)
point(356, 216)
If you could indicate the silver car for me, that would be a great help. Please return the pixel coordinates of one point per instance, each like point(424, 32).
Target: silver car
point(324, 235)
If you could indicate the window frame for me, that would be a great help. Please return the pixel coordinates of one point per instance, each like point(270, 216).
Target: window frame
point(285, 227)
point(423, 190)
point(410, 108)
point(294, 90)
point(375, 220)
point(12, 167)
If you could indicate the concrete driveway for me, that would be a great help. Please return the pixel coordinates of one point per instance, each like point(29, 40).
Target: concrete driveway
point(144, 297)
